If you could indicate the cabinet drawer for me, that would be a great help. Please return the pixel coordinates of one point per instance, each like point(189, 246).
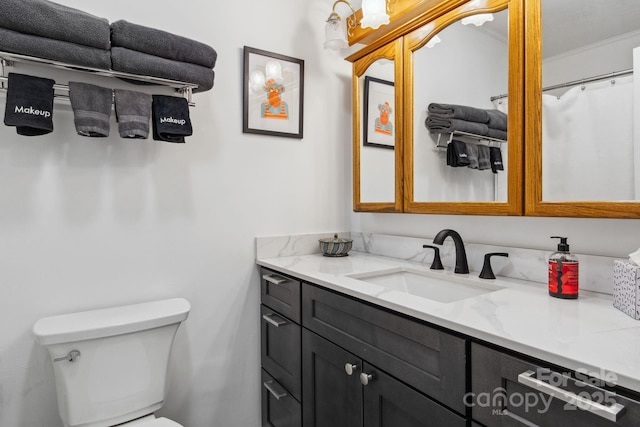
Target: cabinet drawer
point(281, 346)
point(430, 360)
point(510, 391)
point(279, 409)
point(281, 293)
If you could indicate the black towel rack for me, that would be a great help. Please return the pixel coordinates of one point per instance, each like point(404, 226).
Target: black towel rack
point(62, 91)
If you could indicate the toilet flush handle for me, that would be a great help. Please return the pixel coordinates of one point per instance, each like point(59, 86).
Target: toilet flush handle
point(73, 356)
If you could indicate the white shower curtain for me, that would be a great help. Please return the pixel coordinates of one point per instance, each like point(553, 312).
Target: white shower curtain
point(587, 145)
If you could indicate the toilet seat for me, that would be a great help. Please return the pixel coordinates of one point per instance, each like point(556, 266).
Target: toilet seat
point(153, 422)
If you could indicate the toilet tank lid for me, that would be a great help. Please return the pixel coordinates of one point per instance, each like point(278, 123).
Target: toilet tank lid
point(110, 321)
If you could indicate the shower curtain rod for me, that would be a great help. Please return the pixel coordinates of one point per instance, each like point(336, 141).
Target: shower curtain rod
point(578, 82)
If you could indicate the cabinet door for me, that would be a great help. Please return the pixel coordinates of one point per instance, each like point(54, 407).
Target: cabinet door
point(279, 408)
point(390, 403)
point(332, 398)
point(509, 391)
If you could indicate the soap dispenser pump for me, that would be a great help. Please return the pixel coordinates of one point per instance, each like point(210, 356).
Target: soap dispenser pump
point(563, 272)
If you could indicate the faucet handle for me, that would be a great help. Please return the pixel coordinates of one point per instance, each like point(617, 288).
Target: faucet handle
point(487, 271)
point(437, 263)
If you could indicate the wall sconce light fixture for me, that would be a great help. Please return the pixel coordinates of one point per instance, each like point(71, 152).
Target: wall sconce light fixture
point(374, 13)
point(335, 32)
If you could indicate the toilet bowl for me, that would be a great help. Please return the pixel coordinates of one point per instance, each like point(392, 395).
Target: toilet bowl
point(110, 365)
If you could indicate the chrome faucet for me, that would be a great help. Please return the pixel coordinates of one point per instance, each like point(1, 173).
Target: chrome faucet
point(461, 254)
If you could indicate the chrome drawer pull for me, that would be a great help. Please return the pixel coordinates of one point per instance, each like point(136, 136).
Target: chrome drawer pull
point(271, 388)
point(274, 279)
point(607, 412)
point(269, 318)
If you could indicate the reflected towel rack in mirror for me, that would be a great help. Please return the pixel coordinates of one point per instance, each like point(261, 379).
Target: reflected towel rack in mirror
point(441, 143)
point(62, 91)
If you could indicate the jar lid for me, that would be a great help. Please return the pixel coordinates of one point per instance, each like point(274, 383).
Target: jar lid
point(335, 239)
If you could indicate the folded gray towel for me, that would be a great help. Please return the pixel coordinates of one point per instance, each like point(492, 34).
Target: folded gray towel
point(91, 106)
point(462, 112)
point(161, 43)
point(496, 133)
point(484, 161)
point(131, 61)
point(57, 50)
point(497, 120)
point(29, 105)
point(441, 125)
point(54, 21)
point(472, 154)
point(133, 112)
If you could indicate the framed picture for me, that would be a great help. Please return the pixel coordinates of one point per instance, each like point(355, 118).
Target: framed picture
point(379, 119)
point(273, 94)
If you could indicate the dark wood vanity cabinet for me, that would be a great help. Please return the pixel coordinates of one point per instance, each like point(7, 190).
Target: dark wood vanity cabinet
point(511, 391)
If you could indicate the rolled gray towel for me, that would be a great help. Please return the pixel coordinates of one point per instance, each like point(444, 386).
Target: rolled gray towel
point(497, 120)
point(440, 125)
point(462, 112)
point(133, 112)
point(54, 21)
point(161, 43)
point(56, 50)
point(91, 106)
point(131, 61)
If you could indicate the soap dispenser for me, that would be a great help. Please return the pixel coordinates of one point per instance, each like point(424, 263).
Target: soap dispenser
point(563, 272)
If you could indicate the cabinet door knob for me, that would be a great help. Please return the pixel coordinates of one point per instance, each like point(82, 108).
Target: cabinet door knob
point(365, 378)
point(350, 368)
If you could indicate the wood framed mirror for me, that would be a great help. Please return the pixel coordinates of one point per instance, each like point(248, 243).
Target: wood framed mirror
point(377, 130)
point(582, 153)
point(468, 67)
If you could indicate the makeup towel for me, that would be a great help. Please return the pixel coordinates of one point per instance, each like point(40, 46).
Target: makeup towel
point(495, 157)
point(29, 105)
point(91, 106)
point(170, 116)
point(161, 43)
point(457, 154)
point(57, 50)
point(55, 21)
point(483, 157)
point(133, 113)
point(472, 153)
point(131, 61)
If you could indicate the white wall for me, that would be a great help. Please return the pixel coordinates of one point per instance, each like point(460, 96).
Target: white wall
point(88, 223)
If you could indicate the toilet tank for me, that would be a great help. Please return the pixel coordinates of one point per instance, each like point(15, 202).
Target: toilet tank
point(121, 371)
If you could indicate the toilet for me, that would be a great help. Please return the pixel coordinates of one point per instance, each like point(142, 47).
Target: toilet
point(110, 365)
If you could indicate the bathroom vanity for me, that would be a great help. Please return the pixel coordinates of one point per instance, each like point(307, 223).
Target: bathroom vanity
point(342, 347)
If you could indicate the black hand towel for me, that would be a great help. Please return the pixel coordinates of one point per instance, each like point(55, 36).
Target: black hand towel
point(29, 104)
point(170, 116)
point(91, 106)
point(133, 112)
point(457, 154)
point(495, 156)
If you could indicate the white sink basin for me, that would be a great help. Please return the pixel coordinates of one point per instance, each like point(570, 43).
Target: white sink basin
point(435, 286)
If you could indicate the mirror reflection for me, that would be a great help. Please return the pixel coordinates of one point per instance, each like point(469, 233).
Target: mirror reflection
point(590, 48)
point(378, 133)
point(460, 146)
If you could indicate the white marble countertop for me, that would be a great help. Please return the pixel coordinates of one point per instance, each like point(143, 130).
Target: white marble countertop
point(587, 335)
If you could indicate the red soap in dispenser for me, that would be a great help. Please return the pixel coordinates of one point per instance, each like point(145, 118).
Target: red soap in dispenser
point(563, 272)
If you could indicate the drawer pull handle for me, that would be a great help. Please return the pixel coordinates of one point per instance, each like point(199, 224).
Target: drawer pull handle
point(274, 320)
point(271, 388)
point(365, 378)
point(607, 412)
point(274, 279)
point(350, 368)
